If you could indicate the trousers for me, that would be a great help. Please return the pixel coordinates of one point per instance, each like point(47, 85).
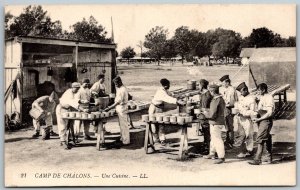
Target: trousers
point(158, 130)
point(124, 122)
point(77, 126)
point(48, 121)
point(244, 135)
point(216, 142)
point(61, 123)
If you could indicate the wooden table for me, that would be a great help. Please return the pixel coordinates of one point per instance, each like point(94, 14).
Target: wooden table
point(98, 122)
point(183, 137)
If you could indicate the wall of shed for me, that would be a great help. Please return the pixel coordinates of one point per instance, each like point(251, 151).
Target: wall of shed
point(274, 73)
point(13, 53)
point(12, 105)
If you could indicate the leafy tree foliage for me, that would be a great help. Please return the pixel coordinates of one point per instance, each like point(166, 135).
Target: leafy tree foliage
point(155, 41)
point(33, 21)
point(88, 30)
point(128, 53)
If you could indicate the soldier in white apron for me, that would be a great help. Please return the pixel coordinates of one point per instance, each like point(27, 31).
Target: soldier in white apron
point(67, 102)
point(122, 110)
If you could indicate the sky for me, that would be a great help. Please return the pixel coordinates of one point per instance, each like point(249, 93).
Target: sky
point(132, 22)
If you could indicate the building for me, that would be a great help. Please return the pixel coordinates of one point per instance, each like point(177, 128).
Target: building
point(32, 61)
point(274, 66)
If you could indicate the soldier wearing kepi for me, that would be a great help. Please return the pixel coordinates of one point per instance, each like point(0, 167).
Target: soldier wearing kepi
point(44, 104)
point(161, 96)
point(67, 102)
point(120, 104)
point(266, 107)
point(84, 96)
point(216, 118)
point(205, 99)
point(230, 97)
point(246, 107)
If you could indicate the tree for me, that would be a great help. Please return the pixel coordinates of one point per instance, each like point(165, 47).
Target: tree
point(155, 41)
point(227, 46)
point(198, 44)
point(182, 38)
point(128, 53)
point(33, 21)
point(88, 30)
point(291, 41)
point(169, 49)
point(261, 37)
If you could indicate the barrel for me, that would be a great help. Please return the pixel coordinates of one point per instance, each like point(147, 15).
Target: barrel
point(103, 102)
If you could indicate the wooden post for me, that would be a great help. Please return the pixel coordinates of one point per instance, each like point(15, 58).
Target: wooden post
point(99, 134)
point(75, 53)
point(284, 96)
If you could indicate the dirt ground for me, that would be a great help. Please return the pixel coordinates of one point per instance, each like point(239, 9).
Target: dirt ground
point(130, 165)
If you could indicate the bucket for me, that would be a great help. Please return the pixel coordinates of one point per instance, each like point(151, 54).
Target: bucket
point(152, 118)
point(197, 111)
point(173, 119)
point(91, 116)
point(159, 118)
point(84, 115)
point(78, 115)
point(65, 115)
point(166, 119)
point(180, 120)
point(103, 102)
point(72, 114)
point(145, 118)
point(234, 110)
point(191, 85)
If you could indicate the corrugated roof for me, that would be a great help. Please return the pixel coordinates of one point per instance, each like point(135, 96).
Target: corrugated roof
point(280, 54)
point(247, 52)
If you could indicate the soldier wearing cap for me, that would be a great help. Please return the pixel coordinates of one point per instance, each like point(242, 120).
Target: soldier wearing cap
point(120, 104)
point(204, 101)
point(230, 97)
point(216, 118)
point(265, 110)
point(84, 96)
point(67, 102)
point(98, 87)
point(161, 96)
point(246, 106)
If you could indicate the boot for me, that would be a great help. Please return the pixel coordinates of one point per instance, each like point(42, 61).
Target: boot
point(52, 133)
point(65, 145)
point(36, 134)
point(46, 133)
point(257, 158)
point(268, 157)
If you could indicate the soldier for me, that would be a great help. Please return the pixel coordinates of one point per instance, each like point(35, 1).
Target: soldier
point(44, 104)
point(84, 96)
point(205, 99)
point(216, 118)
point(265, 110)
point(120, 104)
point(230, 97)
point(246, 107)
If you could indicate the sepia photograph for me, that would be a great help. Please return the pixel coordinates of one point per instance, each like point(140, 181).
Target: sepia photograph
point(109, 95)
